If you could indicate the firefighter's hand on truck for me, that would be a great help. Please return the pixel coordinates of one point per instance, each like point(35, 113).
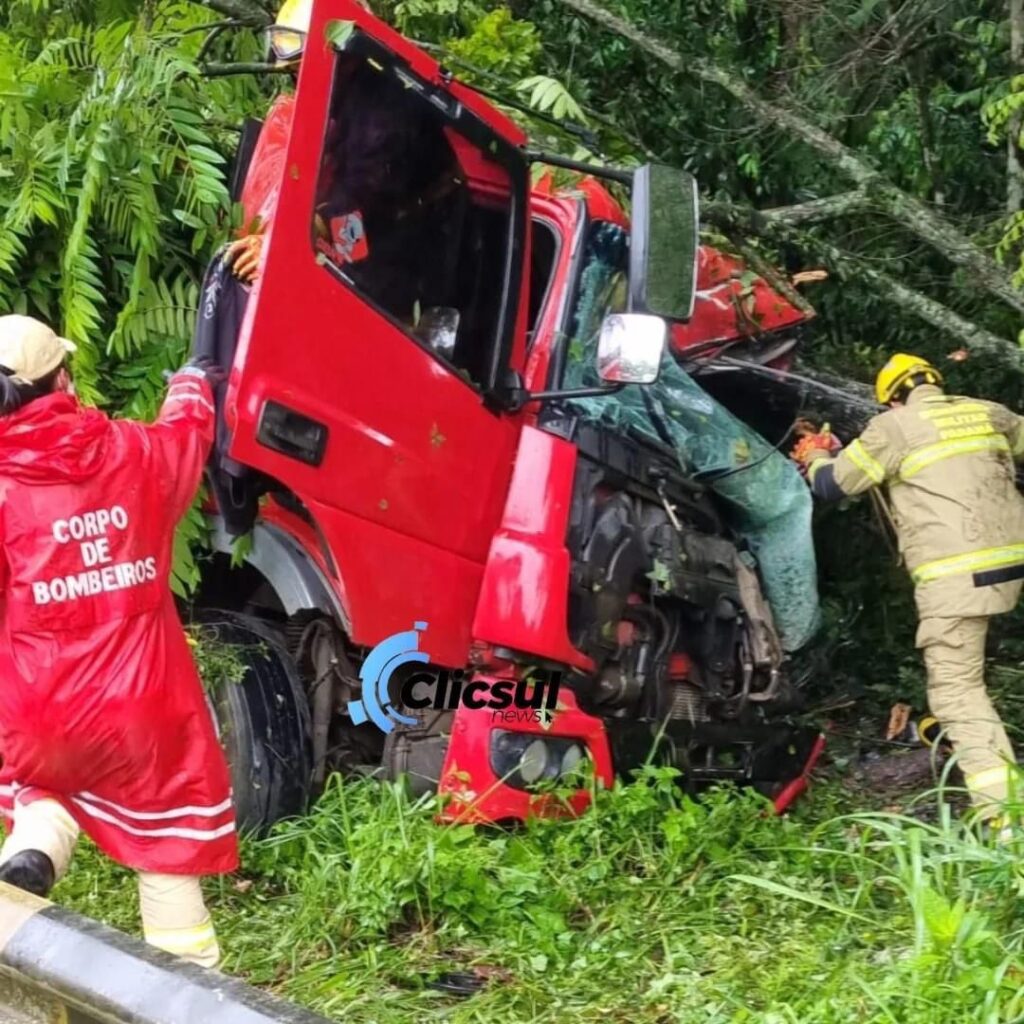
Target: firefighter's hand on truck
point(243, 255)
point(212, 370)
point(813, 444)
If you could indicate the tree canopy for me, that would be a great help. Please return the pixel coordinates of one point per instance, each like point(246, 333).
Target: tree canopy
point(875, 138)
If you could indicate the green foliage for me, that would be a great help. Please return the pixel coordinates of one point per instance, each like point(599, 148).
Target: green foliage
point(219, 663)
point(548, 95)
point(650, 908)
point(499, 44)
point(338, 33)
point(191, 535)
point(113, 182)
point(113, 152)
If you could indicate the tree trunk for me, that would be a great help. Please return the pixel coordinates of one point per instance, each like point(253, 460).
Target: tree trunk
point(776, 225)
point(246, 12)
point(1014, 171)
point(915, 215)
point(821, 209)
point(241, 68)
point(928, 148)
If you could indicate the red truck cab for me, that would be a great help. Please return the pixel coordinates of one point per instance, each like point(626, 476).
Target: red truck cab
point(424, 491)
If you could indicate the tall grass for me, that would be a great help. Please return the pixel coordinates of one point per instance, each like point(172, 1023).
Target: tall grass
point(650, 908)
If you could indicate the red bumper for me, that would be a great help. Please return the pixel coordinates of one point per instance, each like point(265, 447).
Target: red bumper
point(476, 795)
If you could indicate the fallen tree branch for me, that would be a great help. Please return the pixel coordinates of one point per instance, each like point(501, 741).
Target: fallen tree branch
point(223, 70)
point(246, 12)
point(826, 208)
point(915, 215)
point(778, 280)
point(972, 336)
point(216, 31)
point(975, 338)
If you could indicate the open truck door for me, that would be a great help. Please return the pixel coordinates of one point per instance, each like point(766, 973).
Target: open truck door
point(386, 327)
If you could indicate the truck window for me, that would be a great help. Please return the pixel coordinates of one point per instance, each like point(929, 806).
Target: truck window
point(602, 287)
point(412, 215)
point(543, 250)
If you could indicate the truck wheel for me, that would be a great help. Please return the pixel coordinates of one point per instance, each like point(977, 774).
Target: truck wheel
point(263, 722)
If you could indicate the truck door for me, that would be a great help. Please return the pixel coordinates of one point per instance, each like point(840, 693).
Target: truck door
point(386, 319)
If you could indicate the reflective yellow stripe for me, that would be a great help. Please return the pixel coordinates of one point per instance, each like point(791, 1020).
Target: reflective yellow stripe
point(973, 430)
point(182, 940)
point(998, 776)
point(866, 463)
point(933, 453)
point(181, 945)
point(973, 561)
point(951, 408)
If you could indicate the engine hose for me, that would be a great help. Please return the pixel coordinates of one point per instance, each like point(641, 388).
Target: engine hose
point(647, 612)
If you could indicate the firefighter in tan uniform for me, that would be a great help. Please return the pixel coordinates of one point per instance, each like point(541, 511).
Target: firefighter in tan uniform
point(948, 465)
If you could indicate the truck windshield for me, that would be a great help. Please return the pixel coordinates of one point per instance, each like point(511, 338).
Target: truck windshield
point(767, 502)
point(602, 287)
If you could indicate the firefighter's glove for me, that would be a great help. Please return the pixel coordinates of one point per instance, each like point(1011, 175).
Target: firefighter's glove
point(208, 367)
point(243, 256)
point(814, 445)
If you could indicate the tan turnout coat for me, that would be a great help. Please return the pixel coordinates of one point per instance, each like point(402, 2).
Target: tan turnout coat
point(948, 464)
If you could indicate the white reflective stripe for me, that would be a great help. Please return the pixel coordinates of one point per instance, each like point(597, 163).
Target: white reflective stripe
point(201, 835)
point(928, 456)
point(174, 812)
point(186, 387)
point(187, 372)
point(866, 463)
point(189, 398)
point(998, 776)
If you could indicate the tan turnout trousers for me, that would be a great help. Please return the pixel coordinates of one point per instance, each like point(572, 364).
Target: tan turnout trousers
point(947, 463)
point(954, 658)
point(174, 916)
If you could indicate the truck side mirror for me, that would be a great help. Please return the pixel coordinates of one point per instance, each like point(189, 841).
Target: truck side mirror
point(630, 348)
point(664, 234)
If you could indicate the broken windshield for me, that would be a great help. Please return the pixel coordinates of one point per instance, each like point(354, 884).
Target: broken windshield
point(766, 501)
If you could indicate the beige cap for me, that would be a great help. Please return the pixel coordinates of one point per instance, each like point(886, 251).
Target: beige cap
point(30, 349)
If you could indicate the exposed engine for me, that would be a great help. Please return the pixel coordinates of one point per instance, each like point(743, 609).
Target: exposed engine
point(665, 602)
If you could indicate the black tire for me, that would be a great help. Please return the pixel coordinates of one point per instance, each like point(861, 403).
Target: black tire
point(263, 723)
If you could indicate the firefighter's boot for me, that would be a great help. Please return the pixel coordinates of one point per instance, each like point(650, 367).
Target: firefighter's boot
point(30, 870)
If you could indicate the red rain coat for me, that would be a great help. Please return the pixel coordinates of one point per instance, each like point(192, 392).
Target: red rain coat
point(100, 703)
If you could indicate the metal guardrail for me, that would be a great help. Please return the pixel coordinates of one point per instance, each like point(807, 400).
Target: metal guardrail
point(57, 967)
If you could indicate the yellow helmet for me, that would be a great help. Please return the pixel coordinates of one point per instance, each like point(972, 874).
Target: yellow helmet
point(288, 33)
point(898, 370)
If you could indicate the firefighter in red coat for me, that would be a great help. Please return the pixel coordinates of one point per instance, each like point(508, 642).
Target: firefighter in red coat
point(104, 726)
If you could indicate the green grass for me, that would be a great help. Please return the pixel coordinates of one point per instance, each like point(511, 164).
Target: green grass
point(650, 908)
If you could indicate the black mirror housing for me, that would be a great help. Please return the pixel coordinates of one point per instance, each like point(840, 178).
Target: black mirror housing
point(664, 235)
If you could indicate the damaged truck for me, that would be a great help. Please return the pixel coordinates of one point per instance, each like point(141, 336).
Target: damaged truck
point(458, 439)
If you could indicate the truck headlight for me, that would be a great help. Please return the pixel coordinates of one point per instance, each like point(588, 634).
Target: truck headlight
point(571, 759)
point(523, 759)
point(533, 764)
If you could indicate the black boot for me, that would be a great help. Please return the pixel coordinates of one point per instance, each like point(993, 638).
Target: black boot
point(30, 870)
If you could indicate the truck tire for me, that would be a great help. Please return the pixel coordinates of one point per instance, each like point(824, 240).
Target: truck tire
point(263, 723)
